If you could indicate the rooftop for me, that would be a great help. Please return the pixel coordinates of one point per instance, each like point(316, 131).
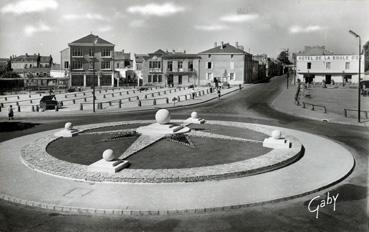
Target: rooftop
point(224, 49)
point(90, 39)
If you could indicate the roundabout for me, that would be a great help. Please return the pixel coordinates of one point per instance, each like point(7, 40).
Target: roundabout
point(240, 171)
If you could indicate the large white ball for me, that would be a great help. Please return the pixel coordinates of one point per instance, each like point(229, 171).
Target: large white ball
point(162, 116)
point(68, 126)
point(194, 115)
point(276, 134)
point(108, 155)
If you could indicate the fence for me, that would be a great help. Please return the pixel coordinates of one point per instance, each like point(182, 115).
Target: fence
point(313, 106)
point(346, 111)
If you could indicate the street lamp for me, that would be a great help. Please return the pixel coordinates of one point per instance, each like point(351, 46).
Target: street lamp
point(358, 99)
point(93, 73)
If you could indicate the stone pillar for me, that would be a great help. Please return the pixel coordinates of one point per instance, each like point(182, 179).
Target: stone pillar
point(84, 80)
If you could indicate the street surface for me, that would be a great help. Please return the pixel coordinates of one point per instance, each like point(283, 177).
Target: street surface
point(249, 105)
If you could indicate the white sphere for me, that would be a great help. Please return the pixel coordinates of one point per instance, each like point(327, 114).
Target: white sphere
point(108, 155)
point(277, 134)
point(162, 116)
point(68, 126)
point(194, 115)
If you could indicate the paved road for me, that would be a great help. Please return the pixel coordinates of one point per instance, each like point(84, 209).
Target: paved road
point(250, 105)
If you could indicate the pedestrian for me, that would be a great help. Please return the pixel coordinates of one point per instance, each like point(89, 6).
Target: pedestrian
point(10, 113)
point(297, 95)
point(193, 93)
point(219, 94)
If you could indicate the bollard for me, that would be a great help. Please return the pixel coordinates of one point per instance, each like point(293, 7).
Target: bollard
point(80, 106)
point(74, 101)
point(19, 108)
point(139, 103)
point(154, 102)
point(33, 108)
point(120, 103)
point(56, 108)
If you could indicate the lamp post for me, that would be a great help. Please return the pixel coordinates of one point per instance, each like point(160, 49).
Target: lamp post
point(359, 94)
point(93, 73)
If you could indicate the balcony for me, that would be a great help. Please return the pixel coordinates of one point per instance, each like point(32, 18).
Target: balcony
point(155, 70)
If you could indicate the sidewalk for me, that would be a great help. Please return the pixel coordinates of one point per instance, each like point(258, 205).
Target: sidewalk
point(285, 103)
point(115, 109)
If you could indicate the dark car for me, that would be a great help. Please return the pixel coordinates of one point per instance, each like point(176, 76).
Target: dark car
point(49, 102)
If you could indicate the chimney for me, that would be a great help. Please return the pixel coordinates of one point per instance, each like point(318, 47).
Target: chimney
point(236, 44)
point(215, 44)
point(222, 44)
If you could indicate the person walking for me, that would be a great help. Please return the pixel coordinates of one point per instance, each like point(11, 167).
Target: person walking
point(10, 113)
point(219, 93)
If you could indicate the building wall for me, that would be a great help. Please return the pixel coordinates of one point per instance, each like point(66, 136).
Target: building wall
point(338, 70)
point(222, 68)
point(85, 73)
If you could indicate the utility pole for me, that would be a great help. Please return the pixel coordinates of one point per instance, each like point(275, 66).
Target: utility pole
point(359, 77)
point(93, 73)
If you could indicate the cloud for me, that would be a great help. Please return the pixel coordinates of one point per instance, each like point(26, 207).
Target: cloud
point(29, 6)
point(29, 30)
point(298, 29)
point(89, 16)
point(137, 23)
point(211, 27)
point(239, 18)
point(154, 9)
point(105, 29)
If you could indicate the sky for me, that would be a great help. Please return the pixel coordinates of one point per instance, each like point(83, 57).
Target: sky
point(143, 26)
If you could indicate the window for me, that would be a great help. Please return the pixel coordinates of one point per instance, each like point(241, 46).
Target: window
point(30, 65)
point(232, 56)
point(209, 65)
point(154, 64)
point(105, 52)
point(190, 65)
point(117, 64)
point(170, 65)
point(232, 77)
point(154, 79)
point(90, 52)
point(77, 64)
point(149, 78)
point(328, 65)
point(127, 63)
point(209, 56)
point(232, 65)
point(160, 78)
point(180, 65)
point(209, 76)
point(347, 65)
point(105, 65)
point(309, 65)
point(77, 52)
point(66, 64)
point(180, 79)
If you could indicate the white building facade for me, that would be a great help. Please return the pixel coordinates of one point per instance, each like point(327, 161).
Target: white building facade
point(329, 68)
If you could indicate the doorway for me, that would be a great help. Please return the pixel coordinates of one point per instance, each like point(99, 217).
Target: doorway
point(170, 80)
point(328, 79)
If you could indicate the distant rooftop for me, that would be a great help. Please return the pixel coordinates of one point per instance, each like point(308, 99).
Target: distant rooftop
point(225, 48)
point(314, 51)
point(26, 57)
point(90, 39)
point(121, 55)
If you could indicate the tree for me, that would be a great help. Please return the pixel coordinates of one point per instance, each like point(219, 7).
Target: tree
point(283, 57)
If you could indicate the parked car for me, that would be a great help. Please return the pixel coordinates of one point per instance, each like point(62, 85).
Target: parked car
point(49, 102)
